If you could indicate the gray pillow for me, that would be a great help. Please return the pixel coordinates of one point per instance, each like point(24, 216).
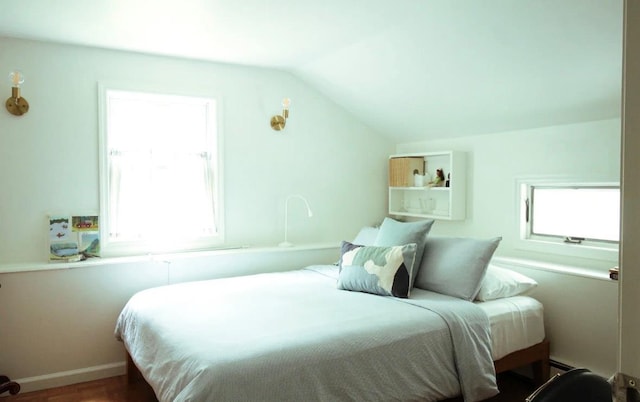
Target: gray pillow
point(396, 233)
point(366, 236)
point(378, 270)
point(455, 266)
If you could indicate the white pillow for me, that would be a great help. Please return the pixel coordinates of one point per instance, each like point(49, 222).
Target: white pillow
point(500, 282)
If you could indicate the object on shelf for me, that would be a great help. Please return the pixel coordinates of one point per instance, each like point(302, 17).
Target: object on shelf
point(427, 204)
point(402, 171)
point(613, 273)
point(438, 181)
point(73, 238)
point(413, 206)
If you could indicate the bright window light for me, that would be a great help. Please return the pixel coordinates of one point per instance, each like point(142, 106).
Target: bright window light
point(588, 213)
point(161, 153)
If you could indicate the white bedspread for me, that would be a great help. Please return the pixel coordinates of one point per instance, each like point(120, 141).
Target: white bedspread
point(517, 322)
point(293, 336)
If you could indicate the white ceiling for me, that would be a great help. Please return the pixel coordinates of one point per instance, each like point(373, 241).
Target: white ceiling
point(412, 69)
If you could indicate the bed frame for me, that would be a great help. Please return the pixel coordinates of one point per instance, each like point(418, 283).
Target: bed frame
point(537, 356)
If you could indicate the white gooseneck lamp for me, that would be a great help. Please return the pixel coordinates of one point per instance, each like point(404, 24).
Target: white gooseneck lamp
point(286, 243)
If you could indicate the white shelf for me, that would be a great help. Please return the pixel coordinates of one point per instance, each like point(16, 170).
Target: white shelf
point(420, 188)
point(425, 214)
point(449, 202)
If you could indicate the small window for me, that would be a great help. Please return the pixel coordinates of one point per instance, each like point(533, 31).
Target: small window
point(575, 213)
point(159, 171)
point(573, 219)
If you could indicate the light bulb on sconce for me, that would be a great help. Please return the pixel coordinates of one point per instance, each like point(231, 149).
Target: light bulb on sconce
point(286, 243)
point(279, 121)
point(16, 104)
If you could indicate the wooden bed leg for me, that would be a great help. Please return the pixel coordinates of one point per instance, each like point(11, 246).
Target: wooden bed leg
point(138, 388)
point(536, 355)
point(542, 367)
point(134, 375)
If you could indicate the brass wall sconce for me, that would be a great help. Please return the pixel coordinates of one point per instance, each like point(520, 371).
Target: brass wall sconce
point(16, 104)
point(279, 121)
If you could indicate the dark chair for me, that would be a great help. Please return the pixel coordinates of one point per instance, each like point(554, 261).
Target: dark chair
point(7, 385)
point(577, 385)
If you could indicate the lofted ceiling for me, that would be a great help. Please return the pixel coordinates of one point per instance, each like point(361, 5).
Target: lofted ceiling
point(410, 69)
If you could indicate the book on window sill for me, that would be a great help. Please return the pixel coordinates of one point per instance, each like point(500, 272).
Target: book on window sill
point(73, 238)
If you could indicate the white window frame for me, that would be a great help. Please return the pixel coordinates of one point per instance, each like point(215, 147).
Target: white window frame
point(600, 250)
point(111, 248)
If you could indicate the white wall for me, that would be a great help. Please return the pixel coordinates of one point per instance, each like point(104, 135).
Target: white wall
point(581, 311)
point(49, 157)
point(57, 325)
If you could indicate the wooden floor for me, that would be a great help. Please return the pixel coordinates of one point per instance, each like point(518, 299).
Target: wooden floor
point(513, 389)
point(114, 389)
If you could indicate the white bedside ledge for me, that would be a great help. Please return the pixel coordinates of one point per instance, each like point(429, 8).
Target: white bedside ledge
point(509, 262)
point(91, 262)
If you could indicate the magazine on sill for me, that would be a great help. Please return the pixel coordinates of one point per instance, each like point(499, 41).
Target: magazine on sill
point(73, 238)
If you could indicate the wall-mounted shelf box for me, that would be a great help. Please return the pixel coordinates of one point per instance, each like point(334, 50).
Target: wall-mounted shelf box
point(448, 203)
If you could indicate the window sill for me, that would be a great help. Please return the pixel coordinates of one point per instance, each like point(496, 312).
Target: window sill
point(92, 262)
point(509, 262)
point(569, 250)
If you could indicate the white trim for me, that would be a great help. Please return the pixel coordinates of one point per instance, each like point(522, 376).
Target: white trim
point(39, 266)
point(62, 378)
point(542, 244)
point(113, 249)
point(572, 250)
point(509, 262)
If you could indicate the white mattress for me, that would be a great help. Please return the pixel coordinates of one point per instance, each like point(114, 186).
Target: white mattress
point(516, 323)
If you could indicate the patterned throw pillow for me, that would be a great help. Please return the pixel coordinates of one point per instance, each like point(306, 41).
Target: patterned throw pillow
point(396, 233)
point(379, 270)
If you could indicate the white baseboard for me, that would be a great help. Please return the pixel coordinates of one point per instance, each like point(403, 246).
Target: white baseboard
point(62, 378)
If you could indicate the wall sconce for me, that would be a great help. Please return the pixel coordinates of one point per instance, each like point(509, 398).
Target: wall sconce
point(16, 105)
point(278, 121)
point(286, 243)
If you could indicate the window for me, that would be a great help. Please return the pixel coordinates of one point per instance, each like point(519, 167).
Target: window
point(159, 172)
point(562, 216)
point(576, 213)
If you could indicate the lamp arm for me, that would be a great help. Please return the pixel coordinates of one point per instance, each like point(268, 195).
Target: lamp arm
point(286, 216)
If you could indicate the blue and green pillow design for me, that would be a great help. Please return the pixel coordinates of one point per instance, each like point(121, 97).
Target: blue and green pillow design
point(385, 271)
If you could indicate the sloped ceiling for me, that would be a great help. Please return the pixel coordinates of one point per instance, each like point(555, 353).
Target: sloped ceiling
point(411, 69)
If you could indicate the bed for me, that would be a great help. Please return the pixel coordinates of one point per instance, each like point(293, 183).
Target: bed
point(297, 336)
